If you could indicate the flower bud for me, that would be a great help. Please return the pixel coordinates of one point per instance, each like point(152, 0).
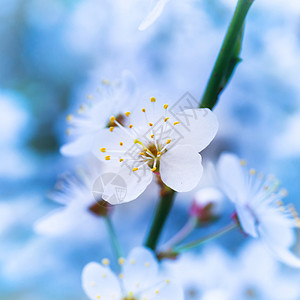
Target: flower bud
point(207, 205)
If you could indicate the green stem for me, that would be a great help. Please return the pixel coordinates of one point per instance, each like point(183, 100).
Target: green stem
point(214, 85)
point(162, 211)
point(205, 239)
point(113, 237)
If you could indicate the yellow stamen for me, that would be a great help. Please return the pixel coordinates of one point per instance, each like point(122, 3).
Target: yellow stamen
point(132, 261)
point(168, 141)
point(152, 99)
point(166, 119)
point(121, 275)
point(98, 297)
point(145, 149)
point(112, 119)
point(158, 153)
point(130, 126)
point(127, 113)
point(152, 136)
point(121, 261)
point(105, 81)
point(121, 143)
point(105, 261)
point(111, 129)
point(177, 122)
point(69, 118)
point(143, 110)
point(157, 292)
point(107, 157)
point(121, 159)
point(166, 106)
point(103, 150)
point(153, 169)
point(243, 162)
point(150, 124)
point(252, 172)
point(147, 264)
point(167, 281)
point(135, 169)
point(141, 153)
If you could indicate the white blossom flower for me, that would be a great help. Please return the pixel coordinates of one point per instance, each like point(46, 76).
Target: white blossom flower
point(259, 207)
point(138, 280)
point(154, 14)
point(93, 117)
point(74, 192)
point(157, 141)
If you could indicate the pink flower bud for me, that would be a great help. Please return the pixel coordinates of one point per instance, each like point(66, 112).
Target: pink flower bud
point(207, 205)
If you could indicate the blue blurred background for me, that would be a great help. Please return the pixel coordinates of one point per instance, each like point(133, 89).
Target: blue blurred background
point(55, 52)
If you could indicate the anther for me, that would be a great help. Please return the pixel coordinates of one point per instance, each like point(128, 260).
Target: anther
point(153, 169)
point(130, 126)
point(141, 153)
point(121, 159)
point(166, 106)
point(107, 157)
point(111, 129)
point(143, 110)
point(121, 261)
point(105, 261)
point(150, 124)
point(69, 118)
point(152, 99)
point(243, 162)
point(112, 119)
point(147, 264)
point(175, 123)
point(127, 113)
point(252, 172)
point(152, 136)
point(103, 150)
point(68, 131)
point(158, 153)
point(168, 141)
point(134, 169)
point(166, 119)
point(121, 143)
point(105, 81)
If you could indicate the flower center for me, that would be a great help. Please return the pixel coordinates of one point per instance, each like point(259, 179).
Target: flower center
point(150, 144)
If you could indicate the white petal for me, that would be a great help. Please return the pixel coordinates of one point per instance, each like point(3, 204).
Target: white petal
point(167, 289)
point(56, 223)
point(81, 145)
point(181, 168)
point(197, 126)
point(140, 270)
point(153, 15)
point(232, 178)
point(126, 185)
point(247, 220)
point(100, 281)
point(276, 229)
point(285, 255)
